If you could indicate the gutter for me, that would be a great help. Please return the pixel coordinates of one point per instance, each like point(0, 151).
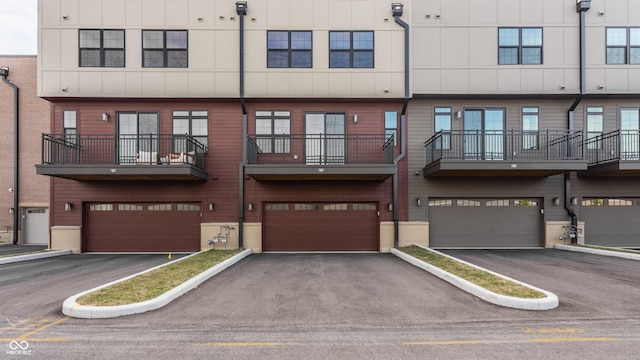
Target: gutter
point(403, 121)
point(582, 6)
point(241, 10)
point(4, 72)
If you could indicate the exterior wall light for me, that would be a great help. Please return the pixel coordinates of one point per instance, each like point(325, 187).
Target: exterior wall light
point(212, 206)
point(68, 206)
point(390, 206)
point(250, 207)
point(105, 116)
point(12, 211)
point(556, 201)
point(418, 202)
point(574, 201)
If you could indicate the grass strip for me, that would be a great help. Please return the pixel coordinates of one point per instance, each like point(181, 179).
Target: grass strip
point(481, 278)
point(155, 283)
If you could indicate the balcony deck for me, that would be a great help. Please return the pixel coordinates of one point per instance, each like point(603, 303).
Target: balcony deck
point(503, 153)
point(123, 157)
point(616, 153)
point(320, 157)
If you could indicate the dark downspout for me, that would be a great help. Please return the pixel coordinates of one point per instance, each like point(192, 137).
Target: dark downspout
point(241, 10)
point(582, 7)
point(397, 12)
point(4, 72)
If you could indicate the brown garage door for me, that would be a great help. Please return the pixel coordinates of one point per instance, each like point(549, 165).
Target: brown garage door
point(485, 223)
point(321, 227)
point(144, 227)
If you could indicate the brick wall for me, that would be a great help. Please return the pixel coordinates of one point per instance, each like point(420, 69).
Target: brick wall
point(34, 120)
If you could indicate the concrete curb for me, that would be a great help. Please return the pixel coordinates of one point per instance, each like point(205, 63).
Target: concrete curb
point(547, 303)
point(71, 308)
point(26, 257)
point(603, 251)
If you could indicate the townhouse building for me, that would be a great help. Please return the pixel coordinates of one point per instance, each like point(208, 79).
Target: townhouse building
point(525, 120)
point(24, 196)
point(340, 125)
point(273, 125)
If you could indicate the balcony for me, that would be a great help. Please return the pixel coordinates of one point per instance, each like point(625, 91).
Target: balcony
point(122, 157)
point(616, 153)
point(320, 157)
point(504, 153)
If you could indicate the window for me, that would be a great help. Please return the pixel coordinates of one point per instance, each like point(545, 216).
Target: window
point(101, 48)
point(623, 46)
point(530, 117)
point(442, 123)
point(351, 49)
point(391, 126)
point(273, 132)
point(69, 125)
point(630, 134)
point(595, 123)
point(194, 123)
point(519, 46)
point(289, 49)
point(164, 48)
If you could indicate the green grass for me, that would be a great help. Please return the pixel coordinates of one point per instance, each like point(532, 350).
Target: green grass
point(155, 283)
point(481, 278)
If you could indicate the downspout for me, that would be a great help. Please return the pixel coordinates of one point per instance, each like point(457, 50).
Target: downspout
point(4, 72)
point(241, 10)
point(397, 12)
point(582, 6)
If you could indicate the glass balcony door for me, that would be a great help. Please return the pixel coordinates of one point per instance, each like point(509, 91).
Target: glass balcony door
point(484, 134)
point(137, 138)
point(630, 134)
point(324, 139)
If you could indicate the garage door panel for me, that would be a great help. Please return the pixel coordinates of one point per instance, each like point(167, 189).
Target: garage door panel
point(485, 223)
point(612, 222)
point(142, 228)
point(320, 227)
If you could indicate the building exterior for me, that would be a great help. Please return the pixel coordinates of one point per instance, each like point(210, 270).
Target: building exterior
point(274, 125)
point(28, 222)
point(339, 125)
point(524, 120)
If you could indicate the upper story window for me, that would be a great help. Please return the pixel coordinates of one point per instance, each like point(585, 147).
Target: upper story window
point(351, 49)
point(519, 46)
point(289, 49)
point(595, 125)
point(69, 125)
point(164, 48)
point(442, 122)
point(101, 48)
point(391, 125)
point(273, 131)
point(530, 119)
point(623, 45)
point(194, 123)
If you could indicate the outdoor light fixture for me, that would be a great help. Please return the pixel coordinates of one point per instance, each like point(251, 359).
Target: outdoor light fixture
point(390, 206)
point(396, 9)
point(241, 7)
point(68, 206)
point(355, 118)
point(250, 207)
point(458, 114)
point(574, 201)
point(105, 117)
point(418, 202)
point(556, 201)
point(212, 206)
point(583, 5)
point(12, 211)
point(4, 71)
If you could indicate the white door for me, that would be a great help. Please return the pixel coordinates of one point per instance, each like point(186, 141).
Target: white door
point(36, 226)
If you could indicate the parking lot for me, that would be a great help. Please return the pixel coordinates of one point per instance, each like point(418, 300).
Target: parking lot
point(335, 306)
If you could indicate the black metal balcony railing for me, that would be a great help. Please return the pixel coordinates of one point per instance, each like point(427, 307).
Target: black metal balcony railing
point(618, 145)
point(150, 149)
point(320, 149)
point(505, 145)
